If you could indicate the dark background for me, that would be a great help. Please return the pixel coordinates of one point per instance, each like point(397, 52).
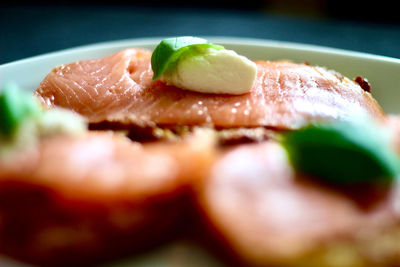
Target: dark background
point(31, 28)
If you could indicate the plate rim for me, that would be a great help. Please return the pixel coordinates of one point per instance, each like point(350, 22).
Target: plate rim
point(260, 42)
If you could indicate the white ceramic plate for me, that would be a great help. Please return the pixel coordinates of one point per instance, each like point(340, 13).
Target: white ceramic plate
point(382, 72)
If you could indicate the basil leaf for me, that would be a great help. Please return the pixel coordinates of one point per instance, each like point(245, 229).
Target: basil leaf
point(167, 53)
point(15, 106)
point(343, 152)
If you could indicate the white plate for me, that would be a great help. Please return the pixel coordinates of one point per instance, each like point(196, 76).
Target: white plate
point(382, 72)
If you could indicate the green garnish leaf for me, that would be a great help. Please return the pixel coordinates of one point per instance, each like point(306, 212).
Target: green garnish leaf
point(343, 152)
point(15, 107)
point(167, 53)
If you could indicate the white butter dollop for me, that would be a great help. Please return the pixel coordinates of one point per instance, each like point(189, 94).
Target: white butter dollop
point(214, 71)
point(58, 121)
point(53, 122)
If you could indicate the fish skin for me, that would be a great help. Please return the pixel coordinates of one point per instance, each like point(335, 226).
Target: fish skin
point(267, 214)
point(84, 200)
point(119, 88)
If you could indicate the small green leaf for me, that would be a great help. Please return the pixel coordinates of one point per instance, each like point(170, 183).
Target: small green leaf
point(167, 53)
point(343, 152)
point(15, 106)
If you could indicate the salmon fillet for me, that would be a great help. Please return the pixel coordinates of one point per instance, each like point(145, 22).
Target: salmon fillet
point(266, 214)
point(118, 88)
point(79, 201)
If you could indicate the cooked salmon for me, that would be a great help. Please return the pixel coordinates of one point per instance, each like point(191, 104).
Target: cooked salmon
point(84, 200)
point(119, 89)
point(269, 215)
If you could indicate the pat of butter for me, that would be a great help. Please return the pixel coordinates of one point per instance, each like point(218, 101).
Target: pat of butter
point(58, 121)
point(214, 71)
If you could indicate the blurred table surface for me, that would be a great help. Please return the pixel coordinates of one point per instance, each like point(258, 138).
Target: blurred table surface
point(31, 30)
